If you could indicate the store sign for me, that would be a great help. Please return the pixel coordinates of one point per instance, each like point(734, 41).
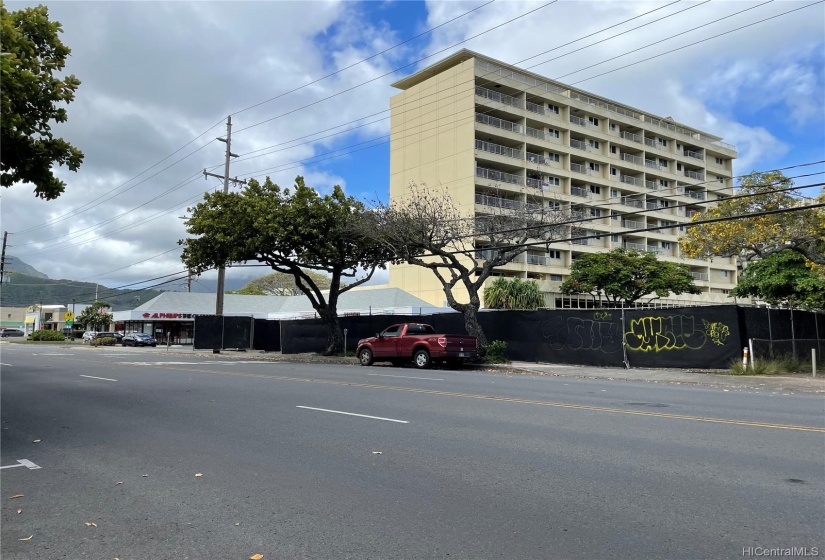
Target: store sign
point(168, 316)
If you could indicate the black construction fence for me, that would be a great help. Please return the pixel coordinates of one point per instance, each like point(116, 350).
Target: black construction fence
point(699, 337)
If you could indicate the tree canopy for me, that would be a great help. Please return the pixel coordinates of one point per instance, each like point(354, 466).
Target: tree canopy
point(280, 284)
point(95, 317)
point(802, 231)
point(783, 277)
point(294, 231)
point(429, 230)
point(626, 276)
point(513, 293)
point(33, 99)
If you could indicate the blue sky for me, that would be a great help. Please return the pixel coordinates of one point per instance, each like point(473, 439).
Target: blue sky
point(156, 75)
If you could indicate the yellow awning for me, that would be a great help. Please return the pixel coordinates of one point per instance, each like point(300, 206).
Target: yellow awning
point(30, 320)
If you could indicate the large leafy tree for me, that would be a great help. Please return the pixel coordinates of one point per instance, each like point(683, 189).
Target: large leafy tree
point(280, 284)
point(34, 98)
point(783, 277)
point(429, 230)
point(513, 293)
point(802, 231)
point(294, 231)
point(624, 276)
point(96, 317)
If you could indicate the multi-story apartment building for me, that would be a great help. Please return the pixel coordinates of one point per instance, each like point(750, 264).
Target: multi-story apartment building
point(493, 135)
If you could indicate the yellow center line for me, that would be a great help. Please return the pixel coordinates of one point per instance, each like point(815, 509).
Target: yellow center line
point(591, 408)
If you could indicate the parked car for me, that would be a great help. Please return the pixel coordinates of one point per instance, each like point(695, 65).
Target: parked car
point(418, 343)
point(139, 339)
point(8, 333)
point(88, 336)
point(117, 336)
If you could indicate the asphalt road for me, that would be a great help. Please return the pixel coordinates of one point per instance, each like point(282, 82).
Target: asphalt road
point(471, 465)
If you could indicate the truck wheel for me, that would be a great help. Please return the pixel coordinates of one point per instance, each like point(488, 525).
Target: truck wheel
point(365, 357)
point(421, 358)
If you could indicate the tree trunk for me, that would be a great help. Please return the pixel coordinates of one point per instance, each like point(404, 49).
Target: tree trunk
point(335, 338)
point(472, 325)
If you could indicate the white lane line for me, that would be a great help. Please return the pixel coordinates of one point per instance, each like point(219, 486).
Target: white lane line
point(102, 378)
point(57, 354)
point(353, 414)
point(7, 365)
point(405, 376)
point(22, 463)
point(160, 363)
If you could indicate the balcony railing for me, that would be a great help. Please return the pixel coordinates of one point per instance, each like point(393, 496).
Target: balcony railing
point(609, 106)
point(635, 246)
point(578, 191)
point(581, 241)
point(696, 195)
point(700, 276)
point(496, 96)
point(650, 142)
point(578, 120)
point(578, 144)
point(651, 205)
point(494, 175)
point(540, 134)
point(691, 213)
point(633, 224)
point(536, 259)
point(578, 168)
point(630, 180)
point(536, 183)
point(632, 202)
point(499, 149)
point(652, 185)
point(652, 163)
point(694, 155)
point(498, 202)
point(631, 158)
point(536, 158)
point(535, 108)
point(499, 123)
point(652, 249)
point(505, 73)
point(695, 175)
point(632, 137)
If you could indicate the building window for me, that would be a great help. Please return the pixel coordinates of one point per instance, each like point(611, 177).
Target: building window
point(593, 120)
point(665, 244)
point(594, 166)
point(615, 238)
point(555, 277)
point(614, 215)
point(614, 171)
point(612, 126)
point(554, 254)
point(553, 108)
point(554, 205)
point(555, 181)
point(663, 162)
point(612, 149)
point(553, 156)
point(720, 179)
point(594, 144)
point(553, 132)
point(662, 142)
point(663, 183)
point(595, 189)
point(614, 193)
point(595, 213)
point(718, 161)
point(723, 273)
point(678, 167)
point(664, 204)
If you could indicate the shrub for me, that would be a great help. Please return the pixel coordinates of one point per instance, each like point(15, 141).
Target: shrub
point(775, 366)
point(493, 353)
point(105, 341)
point(45, 334)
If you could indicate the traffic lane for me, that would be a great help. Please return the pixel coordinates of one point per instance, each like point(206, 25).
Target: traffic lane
point(470, 460)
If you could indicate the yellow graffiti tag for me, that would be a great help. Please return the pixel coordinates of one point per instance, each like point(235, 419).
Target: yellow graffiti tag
point(656, 334)
point(717, 332)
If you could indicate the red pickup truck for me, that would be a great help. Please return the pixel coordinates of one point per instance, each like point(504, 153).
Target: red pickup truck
point(417, 342)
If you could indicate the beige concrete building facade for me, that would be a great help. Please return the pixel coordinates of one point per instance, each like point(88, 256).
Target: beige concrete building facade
point(494, 136)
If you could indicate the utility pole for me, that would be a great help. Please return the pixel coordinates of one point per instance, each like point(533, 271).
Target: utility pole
point(3, 255)
point(226, 179)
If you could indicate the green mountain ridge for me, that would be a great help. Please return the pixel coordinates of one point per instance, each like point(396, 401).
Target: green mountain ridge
point(14, 264)
point(22, 290)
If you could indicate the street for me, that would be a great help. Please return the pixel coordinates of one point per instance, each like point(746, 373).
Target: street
point(332, 461)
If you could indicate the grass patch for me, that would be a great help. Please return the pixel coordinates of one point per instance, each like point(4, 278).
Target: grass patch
point(777, 366)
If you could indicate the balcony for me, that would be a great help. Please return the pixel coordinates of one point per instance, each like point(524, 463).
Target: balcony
point(696, 195)
point(694, 155)
point(536, 158)
point(691, 213)
point(633, 224)
point(632, 202)
point(652, 249)
point(540, 134)
point(579, 168)
point(630, 180)
point(632, 137)
point(652, 185)
point(534, 108)
point(652, 163)
point(578, 120)
point(651, 205)
point(578, 191)
point(631, 158)
point(650, 142)
point(500, 176)
point(499, 97)
point(695, 175)
point(635, 246)
point(700, 276)
point(578, 144)
point(498, 202)
point(499, 123)
point(540, 260)
point(498, 149)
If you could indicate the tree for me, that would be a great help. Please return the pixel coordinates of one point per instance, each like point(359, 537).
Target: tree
point(783, 277)
point(626, 276)
point(33, 97)
point(802, 231)
point(96, 317)
point(280, 284)
point(427, 229)
point(294, 232)
point(513, 293)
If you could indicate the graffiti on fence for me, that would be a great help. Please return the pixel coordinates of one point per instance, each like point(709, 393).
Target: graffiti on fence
point(575, 333)
point(675, 332)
